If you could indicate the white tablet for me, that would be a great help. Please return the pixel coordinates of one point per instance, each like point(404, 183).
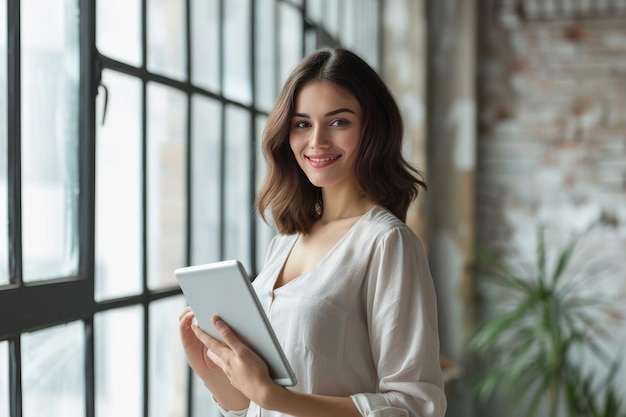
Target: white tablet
point(224, 289)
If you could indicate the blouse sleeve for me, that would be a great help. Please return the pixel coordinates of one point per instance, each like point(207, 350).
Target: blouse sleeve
point(230, 413)
point(404, 339)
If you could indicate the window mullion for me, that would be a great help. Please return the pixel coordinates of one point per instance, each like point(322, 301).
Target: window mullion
point(15, 377)
point(222, 193)
point(144, 208)
point(252, 142)
point(89, 81)
point(14, 163)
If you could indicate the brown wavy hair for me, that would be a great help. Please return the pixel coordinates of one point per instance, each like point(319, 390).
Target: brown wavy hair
point(382, 174)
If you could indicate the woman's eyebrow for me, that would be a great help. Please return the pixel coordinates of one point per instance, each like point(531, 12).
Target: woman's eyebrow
point(330, 113)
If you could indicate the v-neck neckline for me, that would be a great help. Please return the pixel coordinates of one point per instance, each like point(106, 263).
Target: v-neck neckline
point(323, 260)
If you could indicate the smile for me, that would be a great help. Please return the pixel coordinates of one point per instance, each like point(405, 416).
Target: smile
point(324, 159)
point(321, 161)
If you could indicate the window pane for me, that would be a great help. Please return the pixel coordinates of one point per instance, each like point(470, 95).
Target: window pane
point(119, 362)
point(265, 58)
point(167, 192)
point(349, 18)
point(167, 50)
point(238, 210)
point(290, 40)
point(237, 77)
point(119, 30)
point(4, 219)
point(50, 86)
point(119, 189)
point(371, 41)
point(264, 233)
point(53, 364)
point(168, 366)
point(310, 41)
point(205, 44)
point(332, 12)
point(205, 180)
point(4, 379)
point(203, 405)
point(314, 10)
point(365, 36)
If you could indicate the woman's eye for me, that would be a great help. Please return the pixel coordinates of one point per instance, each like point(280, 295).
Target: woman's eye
point(338, 123)
point(301, 125)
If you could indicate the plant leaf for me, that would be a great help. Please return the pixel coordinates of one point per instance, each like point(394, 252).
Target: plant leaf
point(564, 258)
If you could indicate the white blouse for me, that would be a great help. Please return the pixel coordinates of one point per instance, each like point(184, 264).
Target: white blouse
point(362, 323)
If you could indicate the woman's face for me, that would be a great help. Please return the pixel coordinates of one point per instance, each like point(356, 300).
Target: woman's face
point(325, 134)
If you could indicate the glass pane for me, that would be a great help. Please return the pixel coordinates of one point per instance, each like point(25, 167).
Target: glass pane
point(314, 9)
point(118, 364)
point(119, 30)
point(348, 25)
point(333, 14)
point(167, 50)
point(205, 181)
point(366, 32)
point(53, 368)
point(50, 110)
point(290, 39)
point(167, 191)
point(203, 405)
point(238, 210)
point(205, 44)
point(310, 41)
point(264, 233)
point(237, 77)
point(372, 32)
point(265, 58)
point(168, 366)
point(4, 198)
point(4, 379)
point(119, 189)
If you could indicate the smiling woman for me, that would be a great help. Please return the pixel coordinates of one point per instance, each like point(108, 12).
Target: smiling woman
point(346, 284)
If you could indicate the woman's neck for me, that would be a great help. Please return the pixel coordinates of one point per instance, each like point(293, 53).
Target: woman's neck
point(344, 204)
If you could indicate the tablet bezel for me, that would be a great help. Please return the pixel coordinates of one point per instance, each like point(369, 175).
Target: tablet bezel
point(224, 289)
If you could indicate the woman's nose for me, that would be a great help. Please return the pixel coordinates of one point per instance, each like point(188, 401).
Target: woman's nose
point(318, 139)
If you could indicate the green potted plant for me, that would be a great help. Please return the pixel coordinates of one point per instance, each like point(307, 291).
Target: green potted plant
point(530, 342)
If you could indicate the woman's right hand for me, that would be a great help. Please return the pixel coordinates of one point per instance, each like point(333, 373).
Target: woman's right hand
point(227, 396)
point(195, 351)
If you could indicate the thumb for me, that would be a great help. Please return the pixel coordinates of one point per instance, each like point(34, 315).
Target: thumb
point(227, 334)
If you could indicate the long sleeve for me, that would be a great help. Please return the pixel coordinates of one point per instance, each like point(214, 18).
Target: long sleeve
point(402, 321)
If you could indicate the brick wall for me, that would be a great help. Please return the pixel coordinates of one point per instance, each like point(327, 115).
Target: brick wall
point(552, 144)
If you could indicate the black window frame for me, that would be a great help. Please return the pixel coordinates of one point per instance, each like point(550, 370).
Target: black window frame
point(31, 306)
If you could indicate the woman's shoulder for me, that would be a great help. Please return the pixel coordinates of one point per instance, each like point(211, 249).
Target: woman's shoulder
point(381, 221)
point(382, 228)
point(281, 240)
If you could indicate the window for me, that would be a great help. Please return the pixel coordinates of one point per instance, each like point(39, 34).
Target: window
point(130, 142)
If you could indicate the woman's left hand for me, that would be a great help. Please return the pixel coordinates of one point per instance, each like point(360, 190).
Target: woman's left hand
point(245, 369)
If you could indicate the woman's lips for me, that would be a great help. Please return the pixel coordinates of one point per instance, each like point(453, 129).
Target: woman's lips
point(321, 161)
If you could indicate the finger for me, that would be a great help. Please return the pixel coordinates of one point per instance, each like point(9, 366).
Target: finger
point(209, 341)
point(229, 337)
point(217, 352)
point(217, 359)
point(183, 313)
point(184, 322)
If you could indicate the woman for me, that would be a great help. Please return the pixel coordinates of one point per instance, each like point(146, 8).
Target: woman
point(346, 284)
